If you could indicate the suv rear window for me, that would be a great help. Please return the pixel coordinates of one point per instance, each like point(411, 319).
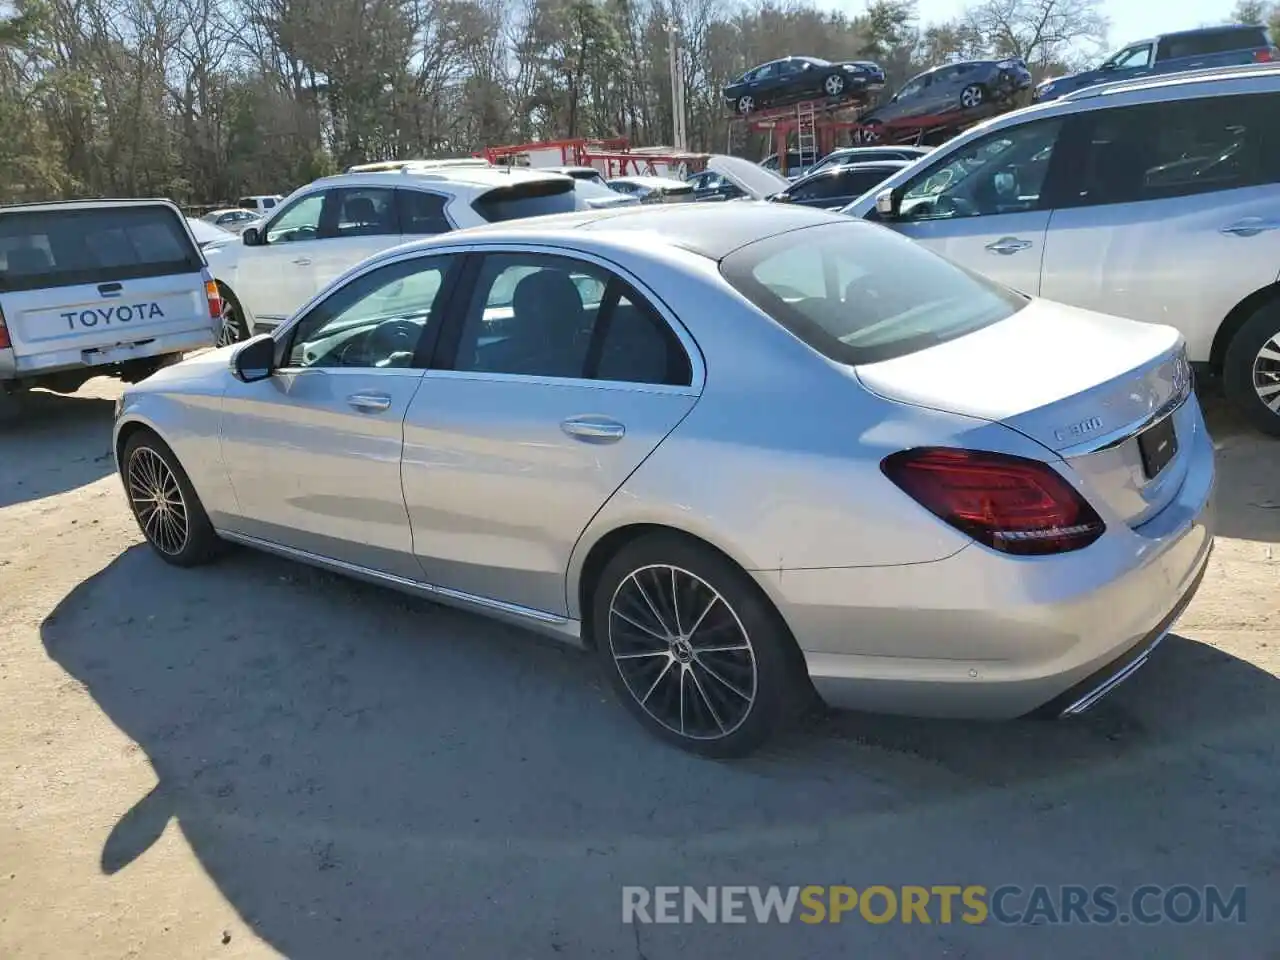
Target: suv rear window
point(858, 293)
point(59, 248)
point(533, 198)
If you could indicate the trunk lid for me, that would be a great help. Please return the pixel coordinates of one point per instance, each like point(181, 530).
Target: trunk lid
point(1100, 392)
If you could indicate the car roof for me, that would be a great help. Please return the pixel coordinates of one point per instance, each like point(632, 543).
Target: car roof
point(1239, 78)
point(470, 179)
point(711, 230)
point(86, 204)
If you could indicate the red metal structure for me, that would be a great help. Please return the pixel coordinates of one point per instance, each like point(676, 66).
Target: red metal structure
point(614, 157)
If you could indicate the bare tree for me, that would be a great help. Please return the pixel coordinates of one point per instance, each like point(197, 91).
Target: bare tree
point(1041, 32)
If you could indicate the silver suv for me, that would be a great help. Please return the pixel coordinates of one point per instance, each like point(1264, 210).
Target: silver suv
point(94, 287)
point(1154, 199)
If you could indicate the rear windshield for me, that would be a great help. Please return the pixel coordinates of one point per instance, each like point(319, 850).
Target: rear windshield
point(533, 198)
point(59, 248)
point(859, 293)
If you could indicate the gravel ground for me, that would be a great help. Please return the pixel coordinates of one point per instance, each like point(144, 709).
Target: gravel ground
point(258, 759)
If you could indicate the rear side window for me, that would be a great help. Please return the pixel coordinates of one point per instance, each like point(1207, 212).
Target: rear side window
point(861, 294)
point(533, 198)
point(422, 213)
point(1179, 148)
point(59, 248)
point(1211, 42)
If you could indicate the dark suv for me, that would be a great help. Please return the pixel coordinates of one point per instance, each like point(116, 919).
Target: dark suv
point(1205, 48)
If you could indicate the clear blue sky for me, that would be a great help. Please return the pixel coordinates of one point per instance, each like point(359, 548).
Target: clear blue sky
point(1130, 19)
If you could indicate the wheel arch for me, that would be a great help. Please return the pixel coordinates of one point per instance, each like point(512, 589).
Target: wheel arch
point(607, 545)
point(1235, 319)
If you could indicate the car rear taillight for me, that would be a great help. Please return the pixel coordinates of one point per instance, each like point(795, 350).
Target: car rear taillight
point(4, 333)
point(1009, 503)
point(213, 294)
point(1265, 56)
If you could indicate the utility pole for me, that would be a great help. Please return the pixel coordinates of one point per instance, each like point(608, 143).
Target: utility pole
point(676, 55)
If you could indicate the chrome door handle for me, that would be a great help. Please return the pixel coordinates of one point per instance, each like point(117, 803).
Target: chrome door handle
point(593, 429)
point(370, 402)
point(303, 261)
point(1249, 227)
point(1008, 245)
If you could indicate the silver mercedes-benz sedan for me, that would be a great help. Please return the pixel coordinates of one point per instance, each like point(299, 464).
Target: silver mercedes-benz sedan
point(742, 452)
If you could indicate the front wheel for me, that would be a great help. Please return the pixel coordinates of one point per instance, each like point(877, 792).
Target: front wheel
point(746, 105)
point(972, 96)
point(833, 85)
point(1251, 369)
point(165, 503)
point(233, 328)
point(694, 649)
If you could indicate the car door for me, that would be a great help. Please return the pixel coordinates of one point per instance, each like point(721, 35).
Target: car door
point(764, 85)
point(357, 223)
point(558, 379)
point(313, 452)
point(1173, 216)
point(986, 205)
point(277, 275)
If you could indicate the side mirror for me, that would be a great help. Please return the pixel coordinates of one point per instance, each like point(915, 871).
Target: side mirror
point(1107, 66)
point(252, 237)
point(254, 358)
point(783, 197)
point(887, 202)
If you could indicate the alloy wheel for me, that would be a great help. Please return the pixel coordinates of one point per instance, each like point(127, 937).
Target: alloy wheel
point(1266, 374)
point(746, 104)
point(971, 96)
point(834, 85)
point(682, 652)
point(157, 499)
point(229, 328)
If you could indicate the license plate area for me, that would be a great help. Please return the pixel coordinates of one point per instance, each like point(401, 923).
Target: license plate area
point(1157, 445)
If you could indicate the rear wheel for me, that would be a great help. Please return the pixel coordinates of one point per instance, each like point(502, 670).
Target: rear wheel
point(1251, 369)
point(871, 132)
point(694, 649)
point(165, 504)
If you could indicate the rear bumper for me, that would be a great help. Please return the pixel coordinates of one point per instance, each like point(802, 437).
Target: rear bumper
point(70, 358)
point(984, 635)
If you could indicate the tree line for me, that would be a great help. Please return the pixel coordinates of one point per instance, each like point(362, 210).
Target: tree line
point(205, 100)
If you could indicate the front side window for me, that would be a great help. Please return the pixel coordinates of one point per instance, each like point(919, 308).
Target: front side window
point(376, 320)
point(859, 295)
point(1001, 173)
point(1131, 59)
point(1178, 148)
point(549, 316)
point(914, 88)
point(297, 222)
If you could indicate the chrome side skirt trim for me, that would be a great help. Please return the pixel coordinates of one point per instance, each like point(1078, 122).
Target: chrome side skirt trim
point(1100, 691)
point(552, 623)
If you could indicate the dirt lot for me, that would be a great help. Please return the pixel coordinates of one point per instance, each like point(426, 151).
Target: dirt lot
point(257, 759)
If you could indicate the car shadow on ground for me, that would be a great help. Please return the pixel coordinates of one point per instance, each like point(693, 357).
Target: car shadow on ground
point(1248, 462)
point(364, 774)
point(57, 443)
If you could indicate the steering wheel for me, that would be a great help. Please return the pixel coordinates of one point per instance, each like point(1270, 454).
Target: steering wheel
point(946, 205)
point(392, 343)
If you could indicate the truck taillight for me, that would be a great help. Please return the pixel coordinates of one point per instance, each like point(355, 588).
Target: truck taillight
point(214, 296)
point(1265, 56)
point(4, 333)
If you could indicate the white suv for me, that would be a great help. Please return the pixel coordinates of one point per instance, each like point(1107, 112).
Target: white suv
point(1155, 199)
point(98, 287)
point(327, 227)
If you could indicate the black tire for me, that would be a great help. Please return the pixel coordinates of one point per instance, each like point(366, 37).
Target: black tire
point(1245, 371)
point(198, 543)
point(730, 700)
point(235, 326)
point(872, 131)
point(10, 404)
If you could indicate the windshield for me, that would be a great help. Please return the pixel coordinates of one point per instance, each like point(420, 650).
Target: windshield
point(858, 293)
